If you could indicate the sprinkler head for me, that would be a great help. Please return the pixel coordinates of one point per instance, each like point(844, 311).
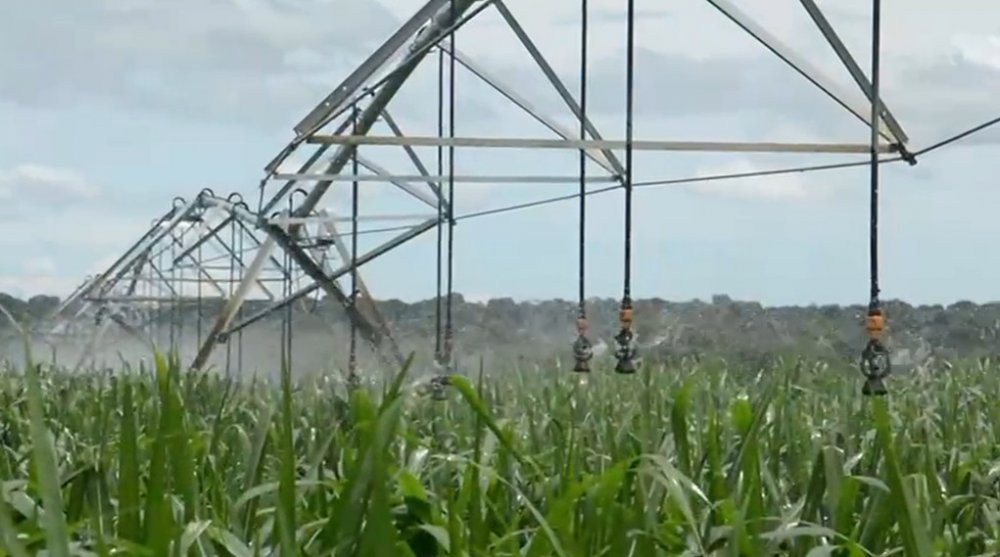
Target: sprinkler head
point(876, 365)
point(625, 366)
point(626, 351)
point(583, 353)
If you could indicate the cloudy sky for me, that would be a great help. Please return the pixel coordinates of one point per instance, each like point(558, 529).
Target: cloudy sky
point(110, 108)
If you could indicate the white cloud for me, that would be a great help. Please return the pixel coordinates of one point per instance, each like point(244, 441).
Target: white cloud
point(46, 183)
point(40, 266)
point(783, 187)
point(38, 275)
point(44, 251)
point(264, 62)
point(983, 50)
point(83, 228)
point(25, 286)
point(235, 58)
point(102, 264)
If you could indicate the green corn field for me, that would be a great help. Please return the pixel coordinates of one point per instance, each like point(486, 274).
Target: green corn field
point(695, 459)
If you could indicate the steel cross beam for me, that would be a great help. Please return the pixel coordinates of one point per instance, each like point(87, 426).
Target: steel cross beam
point(468, 179)
point(576, 144)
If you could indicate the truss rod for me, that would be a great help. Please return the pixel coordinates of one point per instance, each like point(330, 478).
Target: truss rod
point(204, 238)
point(367, 302)
point(334, 275)
point(598, 156)
point(160, 229)
point(150, 299)
point(234, 209)
point(234, 303)
point(335, 100)
point(557, 83)
point(852, 67)
point(411, 153)
point(653, 184)
point(287, 187)
point(327, 283)
point(283, 220)
point(197, 268)
point(443, 20)
point(575, 144)
point(469, 179)
point(408, 188)
point(789, 57)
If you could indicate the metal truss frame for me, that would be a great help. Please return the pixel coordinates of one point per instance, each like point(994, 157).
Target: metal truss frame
point(368, 95)
point(337, 127)
point(193, 258)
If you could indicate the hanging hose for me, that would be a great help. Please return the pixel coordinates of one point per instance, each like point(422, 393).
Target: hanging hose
point(286, 323)
point(625, 345)
point(352, 362)
point(438, 355)
point(583, 349)
point(239, 315)
point(449, 334)
point(875, 361)
point(441, 381)
point(201, 279)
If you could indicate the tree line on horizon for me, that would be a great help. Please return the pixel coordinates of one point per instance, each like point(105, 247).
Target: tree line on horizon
point(721, 326)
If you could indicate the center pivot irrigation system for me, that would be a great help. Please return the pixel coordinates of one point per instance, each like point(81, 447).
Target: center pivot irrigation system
point(210, 255)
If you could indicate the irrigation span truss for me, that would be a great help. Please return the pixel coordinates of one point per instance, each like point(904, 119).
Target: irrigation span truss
point(211, 255)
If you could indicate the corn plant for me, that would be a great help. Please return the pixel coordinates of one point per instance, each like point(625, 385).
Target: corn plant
point(695, 459)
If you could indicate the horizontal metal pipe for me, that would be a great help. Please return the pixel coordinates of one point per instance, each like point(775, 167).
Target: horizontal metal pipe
point(641, 145)
point(469, 179)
